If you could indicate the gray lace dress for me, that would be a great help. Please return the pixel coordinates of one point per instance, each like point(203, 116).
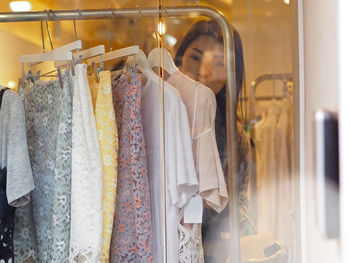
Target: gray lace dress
point(42, 228)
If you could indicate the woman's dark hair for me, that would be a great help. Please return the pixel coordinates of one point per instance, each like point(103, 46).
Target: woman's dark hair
point(211, 28)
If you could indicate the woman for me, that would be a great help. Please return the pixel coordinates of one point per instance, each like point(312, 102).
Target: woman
point(201, 57)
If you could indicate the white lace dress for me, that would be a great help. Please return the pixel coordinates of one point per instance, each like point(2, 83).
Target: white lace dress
point(86, 207)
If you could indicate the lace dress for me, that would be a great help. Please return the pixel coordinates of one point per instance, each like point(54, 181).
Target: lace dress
point(43, 227)
point(86, 206)
point(108, 138)
point(7, 213)
point(132, 228)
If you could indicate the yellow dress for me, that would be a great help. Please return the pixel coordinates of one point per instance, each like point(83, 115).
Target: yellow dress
point(108, 139)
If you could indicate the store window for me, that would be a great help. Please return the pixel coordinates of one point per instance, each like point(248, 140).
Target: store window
point(163, 133)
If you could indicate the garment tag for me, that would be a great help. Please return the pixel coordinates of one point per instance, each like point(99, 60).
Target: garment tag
point(193, 211)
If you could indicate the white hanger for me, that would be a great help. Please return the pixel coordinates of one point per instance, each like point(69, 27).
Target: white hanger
point(85, 54)
point(139, 60)
point(154, 61)
point(72, 46)
point(54, 55)
point(120, 53)
point(91, 52)
point(59, 54)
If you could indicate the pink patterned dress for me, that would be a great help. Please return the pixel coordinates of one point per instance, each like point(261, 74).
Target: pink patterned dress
point(132, 239)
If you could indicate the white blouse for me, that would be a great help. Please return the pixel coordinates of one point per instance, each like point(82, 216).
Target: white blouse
point(201, 109)
point(200, 103)
point(181, 181)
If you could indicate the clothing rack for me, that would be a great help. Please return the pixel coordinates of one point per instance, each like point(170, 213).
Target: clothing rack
point(285, 78)
point(227, 30)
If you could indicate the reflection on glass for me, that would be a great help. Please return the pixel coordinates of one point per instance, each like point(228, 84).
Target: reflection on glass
point(201, 57)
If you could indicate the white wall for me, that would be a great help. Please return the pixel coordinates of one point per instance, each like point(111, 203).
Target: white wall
point(321, 92)
point(344, 121)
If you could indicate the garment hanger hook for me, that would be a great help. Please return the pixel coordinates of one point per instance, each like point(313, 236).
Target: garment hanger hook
point(75, 31)
point(155, 30)
point(47, 28)
point(109, 35)
point(42, 35)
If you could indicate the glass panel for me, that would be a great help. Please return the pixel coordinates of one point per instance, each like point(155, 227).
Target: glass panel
point(263, 37)
point(188, 155)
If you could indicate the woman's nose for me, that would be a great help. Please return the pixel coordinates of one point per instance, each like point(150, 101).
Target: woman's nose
point(204, 71)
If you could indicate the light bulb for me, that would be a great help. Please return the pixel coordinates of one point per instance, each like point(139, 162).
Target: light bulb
point(287, 2)
point(161, 28)
point(20, 6)
point(11, 84)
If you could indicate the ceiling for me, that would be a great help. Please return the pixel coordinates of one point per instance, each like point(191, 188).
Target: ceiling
point(262, 24)
point(226, 6)
point(124, 32)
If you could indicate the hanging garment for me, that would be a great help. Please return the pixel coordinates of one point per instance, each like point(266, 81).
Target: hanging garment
point(108, 139)
point(132, 238)
point(266, 171)
point(7, 213)
point(274, 172)
point(201, 107)
point(180, 181)
point(24, 238)
point(48, 109)
point(190, 244)
point(284, 180)
point(243, 156)
point(216, 226)
point(16, 180)
point(86, 208)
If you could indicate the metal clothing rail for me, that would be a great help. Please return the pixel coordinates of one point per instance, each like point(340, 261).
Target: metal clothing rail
point(227, 31)
point(283, 77)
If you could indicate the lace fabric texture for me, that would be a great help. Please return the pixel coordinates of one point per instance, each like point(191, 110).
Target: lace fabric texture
point(132, 239)
point(191, 249)
point(6, 222)
point(86, 205)
point(108, 138)
point(43, 226)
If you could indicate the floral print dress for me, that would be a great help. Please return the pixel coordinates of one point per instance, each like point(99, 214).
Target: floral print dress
point(42, 227)
point(132, 239)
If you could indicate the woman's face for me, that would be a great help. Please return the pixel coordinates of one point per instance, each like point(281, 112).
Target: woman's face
point(204, 61)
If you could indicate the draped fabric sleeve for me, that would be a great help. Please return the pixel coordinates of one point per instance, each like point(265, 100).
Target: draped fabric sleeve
point(180, 170)
point(20, 180)
point(212, 185)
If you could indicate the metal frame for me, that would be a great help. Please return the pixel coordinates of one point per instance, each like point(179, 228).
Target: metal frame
point(231, 82)
point(285, 77)
point(262, 78)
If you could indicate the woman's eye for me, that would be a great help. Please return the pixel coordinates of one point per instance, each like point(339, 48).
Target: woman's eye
point(195, 58)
